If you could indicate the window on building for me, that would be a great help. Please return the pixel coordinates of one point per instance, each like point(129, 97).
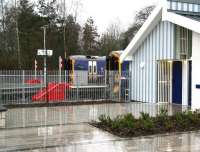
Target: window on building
point(183, 43)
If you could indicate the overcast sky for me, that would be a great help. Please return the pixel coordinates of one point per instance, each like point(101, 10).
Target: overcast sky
point(105, 12)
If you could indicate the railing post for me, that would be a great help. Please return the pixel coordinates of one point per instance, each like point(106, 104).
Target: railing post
point(60, 72)
point(130, 85)
point(120, 86)
point(23, 84)
point(105, 94)
point(65, 94)
point(76, 82)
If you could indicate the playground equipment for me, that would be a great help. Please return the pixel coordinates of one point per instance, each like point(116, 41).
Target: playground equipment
point(53, 92)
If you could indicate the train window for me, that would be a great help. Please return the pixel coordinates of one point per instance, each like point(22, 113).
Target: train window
point(90, 67)
point(95, 70)
point(94, 67)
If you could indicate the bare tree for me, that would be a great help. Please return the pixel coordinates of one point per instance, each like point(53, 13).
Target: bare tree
point(140, 18)
point(2, 15)
point(17, 35)
point(69, 7)
point(111, 39)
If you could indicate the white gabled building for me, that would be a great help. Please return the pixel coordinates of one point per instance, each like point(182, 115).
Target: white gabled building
point(165, 55)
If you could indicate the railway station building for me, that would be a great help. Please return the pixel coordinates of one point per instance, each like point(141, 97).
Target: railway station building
point(164, 55)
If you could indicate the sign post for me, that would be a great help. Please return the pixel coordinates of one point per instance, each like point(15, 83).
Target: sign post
point(60, 68)
point(44, 52)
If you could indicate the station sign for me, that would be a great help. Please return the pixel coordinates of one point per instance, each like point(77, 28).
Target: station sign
point(42, 52)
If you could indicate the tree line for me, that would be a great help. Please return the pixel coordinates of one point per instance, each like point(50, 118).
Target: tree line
point(21, 34)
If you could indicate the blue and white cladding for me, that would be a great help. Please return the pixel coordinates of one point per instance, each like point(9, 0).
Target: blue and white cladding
point(183, 6)
point(159, 45)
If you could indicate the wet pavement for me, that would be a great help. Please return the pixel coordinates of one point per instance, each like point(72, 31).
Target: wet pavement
point(43, 116)
point(65, 129)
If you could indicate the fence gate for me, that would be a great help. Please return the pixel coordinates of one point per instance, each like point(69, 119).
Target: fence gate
point(164, 81)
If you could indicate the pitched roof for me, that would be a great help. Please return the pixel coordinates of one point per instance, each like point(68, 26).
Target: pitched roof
point(160, 13)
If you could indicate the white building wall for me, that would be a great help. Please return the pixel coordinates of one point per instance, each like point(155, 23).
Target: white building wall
point(158, 45)
point(195, 70)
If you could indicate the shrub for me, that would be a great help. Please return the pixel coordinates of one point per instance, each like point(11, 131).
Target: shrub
point(182, 120)
point(124, 122)
point(194, 117)
point(105, 120)
point(163, 113)
point(128, 121)
point(187, 119)
point(163, 121)
point(146, 122)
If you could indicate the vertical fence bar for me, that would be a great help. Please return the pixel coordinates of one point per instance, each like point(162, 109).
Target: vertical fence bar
point(23, 85)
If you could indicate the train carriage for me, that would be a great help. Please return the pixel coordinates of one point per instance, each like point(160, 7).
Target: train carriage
point(90, 69)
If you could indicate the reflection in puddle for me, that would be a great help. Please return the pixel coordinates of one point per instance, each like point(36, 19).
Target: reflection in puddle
point(45, 131)
point(45, 116)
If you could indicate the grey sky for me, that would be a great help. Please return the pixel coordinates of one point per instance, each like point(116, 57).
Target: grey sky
point(106, 12)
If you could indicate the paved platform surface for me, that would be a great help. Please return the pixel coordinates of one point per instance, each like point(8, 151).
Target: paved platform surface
point(64, 129)
point(29, 117)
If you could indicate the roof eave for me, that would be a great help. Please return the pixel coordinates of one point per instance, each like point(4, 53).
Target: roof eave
point(183, 21)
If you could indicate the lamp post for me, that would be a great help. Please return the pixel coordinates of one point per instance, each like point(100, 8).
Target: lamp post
point(45, 62)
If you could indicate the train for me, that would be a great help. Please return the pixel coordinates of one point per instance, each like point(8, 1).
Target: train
point(96, 64)
point(98, 71)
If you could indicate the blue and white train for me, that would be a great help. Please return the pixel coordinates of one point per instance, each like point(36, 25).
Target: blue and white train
point(94, 68)
point(96, 64)
point(91, 71)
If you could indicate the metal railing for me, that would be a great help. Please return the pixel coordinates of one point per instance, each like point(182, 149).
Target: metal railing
point(28, 87)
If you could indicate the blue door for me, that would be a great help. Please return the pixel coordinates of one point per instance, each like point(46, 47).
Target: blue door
point(177, 82)
point(190, 84)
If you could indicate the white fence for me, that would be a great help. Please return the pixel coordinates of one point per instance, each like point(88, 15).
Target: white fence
point(29, 87)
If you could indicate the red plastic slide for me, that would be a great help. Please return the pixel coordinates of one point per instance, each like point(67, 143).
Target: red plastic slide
point(54, 92)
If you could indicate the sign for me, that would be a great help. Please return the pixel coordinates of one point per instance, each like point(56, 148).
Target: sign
point(41, 52)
